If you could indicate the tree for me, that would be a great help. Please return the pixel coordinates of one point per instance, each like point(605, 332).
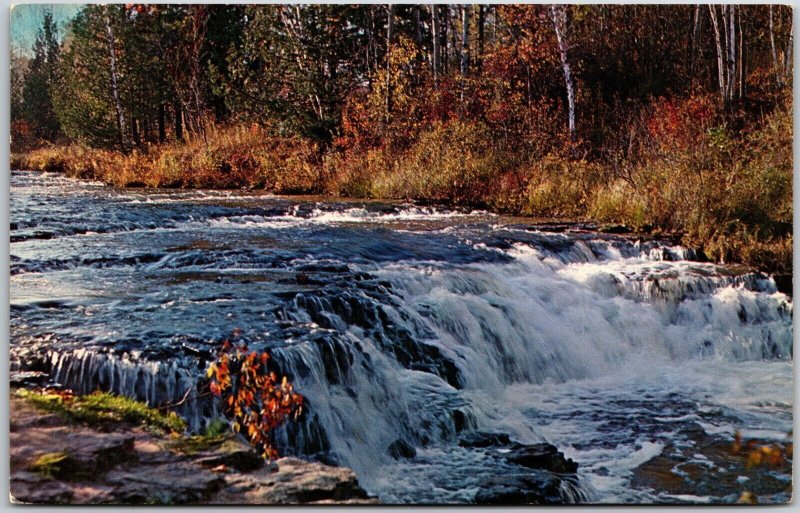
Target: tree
point(296, 64)
point(19, 66)
point(40, 81)
point(718, 42)
point(559, 15)
point(112, 69)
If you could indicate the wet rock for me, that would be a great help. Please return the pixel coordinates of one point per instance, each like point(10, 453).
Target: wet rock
point(784, 283)
point(28, 378)
point(613, 228)
point(400, 449)
point(294, 482)
point(484, 439)
point(542, 456)
point(537, 487)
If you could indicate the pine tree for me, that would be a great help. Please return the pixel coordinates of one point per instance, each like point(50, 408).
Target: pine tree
point(40, 81)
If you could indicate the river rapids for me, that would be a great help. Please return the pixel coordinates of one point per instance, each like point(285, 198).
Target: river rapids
point(420, 324)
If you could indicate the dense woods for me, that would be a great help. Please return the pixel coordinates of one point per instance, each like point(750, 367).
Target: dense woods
point(670, 118)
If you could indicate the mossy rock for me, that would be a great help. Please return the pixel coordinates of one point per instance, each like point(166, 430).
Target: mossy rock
point(104, 410)
point(52, 464)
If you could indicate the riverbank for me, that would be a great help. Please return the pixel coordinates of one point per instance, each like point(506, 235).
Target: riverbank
point(726, 194)
point(59, 457)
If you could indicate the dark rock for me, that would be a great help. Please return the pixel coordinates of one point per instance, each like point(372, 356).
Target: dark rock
point(484, 439)
point(28, 379)
point(783, 282)
point(614, 228)
point(401, 449)
point(459, 420)
point(240, 458)
point(542, 456)
point(538, 487)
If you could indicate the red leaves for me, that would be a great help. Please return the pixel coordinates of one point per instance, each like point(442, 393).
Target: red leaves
point(252, 395)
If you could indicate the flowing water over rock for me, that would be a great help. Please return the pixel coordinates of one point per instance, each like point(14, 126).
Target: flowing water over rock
point(408, 329)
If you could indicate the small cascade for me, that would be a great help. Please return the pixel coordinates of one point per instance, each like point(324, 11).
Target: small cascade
point(164, 384)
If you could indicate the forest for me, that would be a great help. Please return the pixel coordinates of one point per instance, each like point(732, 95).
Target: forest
point(669, 119)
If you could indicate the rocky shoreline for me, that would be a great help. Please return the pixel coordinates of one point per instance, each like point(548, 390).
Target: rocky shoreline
point(55, 461)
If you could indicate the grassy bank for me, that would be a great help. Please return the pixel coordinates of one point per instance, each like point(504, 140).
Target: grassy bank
point(726, 192)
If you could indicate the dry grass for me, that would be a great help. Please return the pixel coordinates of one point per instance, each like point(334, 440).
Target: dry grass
point(730, 196)
point(225, 159)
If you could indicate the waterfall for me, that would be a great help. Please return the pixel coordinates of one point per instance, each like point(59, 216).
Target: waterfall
point(412, 352)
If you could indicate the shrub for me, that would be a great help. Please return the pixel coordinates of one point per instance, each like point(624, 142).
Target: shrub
point(253, 396)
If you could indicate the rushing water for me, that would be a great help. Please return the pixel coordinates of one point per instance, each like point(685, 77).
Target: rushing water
point(399, 322)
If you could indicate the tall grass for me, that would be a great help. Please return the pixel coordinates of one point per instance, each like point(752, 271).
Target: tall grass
point(232, 157)
point(728, 194)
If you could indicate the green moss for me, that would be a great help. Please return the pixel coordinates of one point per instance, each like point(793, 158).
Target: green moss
point(102, 408)
point(50, 464)
point(215, 433)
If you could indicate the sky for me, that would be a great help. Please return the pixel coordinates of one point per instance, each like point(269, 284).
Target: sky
point(26, 19)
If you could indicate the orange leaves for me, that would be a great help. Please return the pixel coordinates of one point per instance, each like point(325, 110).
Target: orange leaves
point(253, 396)
point(756, 455)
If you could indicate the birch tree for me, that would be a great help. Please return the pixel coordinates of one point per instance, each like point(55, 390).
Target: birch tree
point(435, 44)
point(775, 63)
point(112, 55)
point(559, 15)
point(718, 43)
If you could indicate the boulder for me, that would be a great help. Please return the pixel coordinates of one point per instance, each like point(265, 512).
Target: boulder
point(482, 439)
point(542, 456)
point(294, 482)
point(537, 487)
point(400, 449)
point(231, 454)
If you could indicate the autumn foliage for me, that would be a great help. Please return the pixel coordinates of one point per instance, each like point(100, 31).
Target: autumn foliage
point(254, 397)
point(773, 455)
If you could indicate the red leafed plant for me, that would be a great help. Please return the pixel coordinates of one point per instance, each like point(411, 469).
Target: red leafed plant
point(256, 399)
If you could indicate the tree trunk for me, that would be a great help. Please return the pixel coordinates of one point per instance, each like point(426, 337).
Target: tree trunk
point(443, 47)
point(787, 56)
point(732, 75)
point(389, 27)
point(435, 41)
point(135, 132)
point(693, 48)
point(162, 132)
point(121, 130)
point(720, 66)
point(775, 63)
point(481, 36)
point(464, 40)
point(178, 123)
point(418, 25)
point(559, 15)
point(740, 55)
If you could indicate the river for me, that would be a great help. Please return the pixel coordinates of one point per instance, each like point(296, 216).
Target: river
point(421, 324)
